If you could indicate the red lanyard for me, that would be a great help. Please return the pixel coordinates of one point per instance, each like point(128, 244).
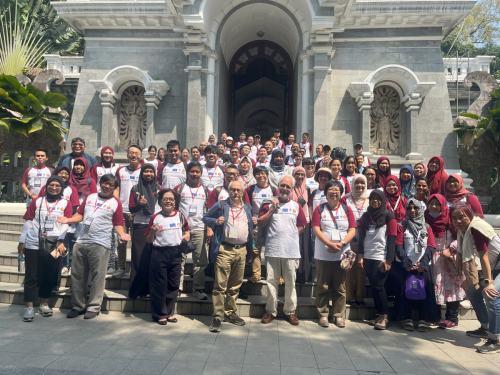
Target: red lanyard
point(245, 181)
point(195, 194)
point(105, 171)
point(355, 205)
point(232, 214)
point(53, 207)
point(336, 212)
point(95, 204)
point(208, 172)
point(39, 171)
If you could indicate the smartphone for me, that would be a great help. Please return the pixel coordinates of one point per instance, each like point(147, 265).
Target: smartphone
point(381, 267)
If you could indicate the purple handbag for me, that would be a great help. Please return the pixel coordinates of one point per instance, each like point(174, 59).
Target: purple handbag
point(415, 287)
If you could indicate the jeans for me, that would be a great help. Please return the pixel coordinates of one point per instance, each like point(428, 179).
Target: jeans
point(493, 306)
point(476, 299)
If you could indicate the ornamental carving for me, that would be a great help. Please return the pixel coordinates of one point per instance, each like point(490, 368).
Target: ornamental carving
point(385, 125)
point(133, 118)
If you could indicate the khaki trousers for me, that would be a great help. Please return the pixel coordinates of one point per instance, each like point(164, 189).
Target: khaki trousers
point(275, 268)
point(331, 283)
point(256, 259)
point(355, 283)
point(229, 268)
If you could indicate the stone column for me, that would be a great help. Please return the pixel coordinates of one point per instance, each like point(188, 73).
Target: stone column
point(196, 98)
point(209, 119)
point(304, 122)
point(412, 108)
point(362, 93)
point(152, 101)
point(365, 110)
point(109, 135)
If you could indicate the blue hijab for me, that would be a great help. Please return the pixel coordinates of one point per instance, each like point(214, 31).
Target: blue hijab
point(277, 167)
point(407, 187)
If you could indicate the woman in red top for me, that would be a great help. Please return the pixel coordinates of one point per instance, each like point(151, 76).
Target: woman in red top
point(454, 191)
point(436, 175)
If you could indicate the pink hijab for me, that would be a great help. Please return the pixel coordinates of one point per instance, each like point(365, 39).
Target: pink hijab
point(299, 191)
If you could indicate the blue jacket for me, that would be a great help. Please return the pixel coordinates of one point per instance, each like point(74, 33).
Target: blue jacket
point(65, 160)
point(211, 217)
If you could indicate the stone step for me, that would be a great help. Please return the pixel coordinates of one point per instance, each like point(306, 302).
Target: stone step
point(11, 226)
point(254, 306)
point(9, 235)
point(12, 218)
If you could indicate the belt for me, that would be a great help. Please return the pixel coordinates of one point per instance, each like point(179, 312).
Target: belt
point(234, 246)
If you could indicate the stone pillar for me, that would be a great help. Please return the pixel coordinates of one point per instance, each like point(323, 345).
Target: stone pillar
point(304, 122)
point(412, 108)
point(109, 135)
point(365, 110)
point(152, 101)
point(196, 98)
point(209, 119)
point(362, 93)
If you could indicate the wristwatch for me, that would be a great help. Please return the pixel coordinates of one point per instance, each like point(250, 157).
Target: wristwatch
point(487, 282)
point(343, 243)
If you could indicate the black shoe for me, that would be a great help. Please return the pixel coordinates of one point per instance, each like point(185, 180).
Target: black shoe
point(174, 320)
point(74, 313)
point(216, 325)
point(481, 333)
point(242, 294)
point(90, 314)
point(162, 322)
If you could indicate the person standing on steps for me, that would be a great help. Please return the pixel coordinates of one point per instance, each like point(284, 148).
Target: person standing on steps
point(232, 222)
point(41, 228)
point(127, 177)
point(35, 178)
point(100, 212)
point(173, 171)
point(78, 151)
point(213, 175)
point(285, 221)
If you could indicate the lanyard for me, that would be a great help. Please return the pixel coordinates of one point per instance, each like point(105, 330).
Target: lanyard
point(355, 205)
point(105, 171)
point(39, 171)
point(208, 172)
point(95, 205)
point(396, 206)
point(245, 181)
point(232, 213)
point(195, 194)
point(53, 207)
point(336, 213)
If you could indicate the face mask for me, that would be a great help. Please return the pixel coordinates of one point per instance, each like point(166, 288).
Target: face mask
point(434, 215)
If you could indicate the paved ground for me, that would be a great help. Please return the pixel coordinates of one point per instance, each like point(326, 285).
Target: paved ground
point(125, 343)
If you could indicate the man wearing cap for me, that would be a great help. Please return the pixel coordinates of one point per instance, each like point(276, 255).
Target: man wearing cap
point(358, 149)
point(78, 148)
point(242, 141)
point(279, 142)
point(257, 141)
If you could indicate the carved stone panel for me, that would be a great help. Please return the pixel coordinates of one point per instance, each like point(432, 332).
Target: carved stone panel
point(385, 123)
point(133, 118)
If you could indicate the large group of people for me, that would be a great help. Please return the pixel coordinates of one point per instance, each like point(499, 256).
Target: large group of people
point(329, 218)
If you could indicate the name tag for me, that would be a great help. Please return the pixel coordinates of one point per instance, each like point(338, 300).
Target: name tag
point(48, 226)
point(335, 234)
point(233, 232)
point(88, 221)
point(38, 182)
point(192, 210)
point(371, 229)
point(210, 174)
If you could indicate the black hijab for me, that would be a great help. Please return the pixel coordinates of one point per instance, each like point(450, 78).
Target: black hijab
point(378, 216)
point(148, 190)
point(59, 169)
point(52, 198)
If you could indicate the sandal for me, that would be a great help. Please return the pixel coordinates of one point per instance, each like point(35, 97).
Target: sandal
point(422, 326)
point(408, 325)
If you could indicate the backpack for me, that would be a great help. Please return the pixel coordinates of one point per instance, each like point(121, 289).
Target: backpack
point(323, 205)
point(207, 192)
point(338, 153)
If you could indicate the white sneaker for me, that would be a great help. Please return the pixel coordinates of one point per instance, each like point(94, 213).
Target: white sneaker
point(200, 294)
point(110, 271)
point(65, 271)
point(29, 314)
point(69, 271)
point(45, 310)
point(119, 273)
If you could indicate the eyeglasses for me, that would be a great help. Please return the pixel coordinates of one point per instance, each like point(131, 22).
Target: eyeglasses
point(231, 174)
point(168, 200)
point(236, 190)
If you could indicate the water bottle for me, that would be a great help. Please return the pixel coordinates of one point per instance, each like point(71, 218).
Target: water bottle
point(21, 265)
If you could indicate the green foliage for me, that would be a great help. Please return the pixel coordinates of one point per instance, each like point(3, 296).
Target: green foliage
point(26, 109)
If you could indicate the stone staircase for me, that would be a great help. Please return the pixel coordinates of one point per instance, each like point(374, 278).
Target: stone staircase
point(116, 290)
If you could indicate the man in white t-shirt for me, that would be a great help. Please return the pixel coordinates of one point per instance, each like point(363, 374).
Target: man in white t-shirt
point(242, 141)
point(306, 145)
point(212, 174)
point(288, 147)
point(254, 150)
point(35, 178)
point(174, 171)
point(284, 220)
point(269, 148)
point(127, 178)
point(319, 154)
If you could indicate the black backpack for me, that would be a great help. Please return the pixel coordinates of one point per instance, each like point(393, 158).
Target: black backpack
point(338, 153)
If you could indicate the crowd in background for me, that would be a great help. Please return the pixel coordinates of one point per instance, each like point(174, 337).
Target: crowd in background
point(316, 214)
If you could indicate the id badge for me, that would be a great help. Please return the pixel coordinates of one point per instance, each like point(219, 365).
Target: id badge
point(88, 221)
point(233, 232)
point(371, 229)
point(48, 226)
point(192, 210)
point(38, 182)
point(210, 186)
point(335, 234)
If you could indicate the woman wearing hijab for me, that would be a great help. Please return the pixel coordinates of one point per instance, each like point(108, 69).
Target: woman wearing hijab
point(415, 247)
point(143, 203)
point(246, 172)
point(407, 182)
point(106, 166)
point(436, 175)
point(300, 194)
point(445, 277)
point(454, 191)
point(396, 203)
point(357, 201)
point(41, 228)
point(212, 140)
point(420, 170)
point(376, 250)
point(277, 168)
point(383, 169)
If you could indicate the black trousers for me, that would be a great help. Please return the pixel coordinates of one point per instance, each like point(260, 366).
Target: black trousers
point(40, 275)
point(377, 281)
point(164, 279)
point(452, 311)
point(139, 243)
point(30, 275)
point(398, 275)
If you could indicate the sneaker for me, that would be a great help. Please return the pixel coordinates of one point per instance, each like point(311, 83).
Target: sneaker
point(374, 320)
point(267, 318)
point(447, 324)
point(216, 325)
point(254, 278)
point(481, 332)
point(119, 273)
point(45, 310)
point(65, 271)
point(382, 322)
point(234, 318)
point(489, 347)
point(91, 314)
point(29, 314)
point(340, 322)
point(323, 322)
point(111, 270)
point(201, 295)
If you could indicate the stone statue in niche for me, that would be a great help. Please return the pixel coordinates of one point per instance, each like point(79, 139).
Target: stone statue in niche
point(385, 124)
point(133, 118)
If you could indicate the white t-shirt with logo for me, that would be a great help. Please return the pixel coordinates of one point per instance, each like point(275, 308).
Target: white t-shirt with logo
point(313, 185)
point(254, 151)
point(317, 197)
point(99, 217)
point(35, 178)
point(155, 162)
point(357, 209)
point(258, 196)
point(127, 179)
point(260, 164)
point(101, 171)
point(192, 205)
point(288, 150)
point(414, 250)
point(212, 177)
point(170, 229)
point(173, 175)
point(332, 230)
point(308, 147)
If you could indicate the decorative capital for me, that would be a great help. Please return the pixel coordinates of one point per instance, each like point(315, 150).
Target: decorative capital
point(362, 93)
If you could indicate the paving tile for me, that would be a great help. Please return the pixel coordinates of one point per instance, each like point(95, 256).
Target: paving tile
point(299, 371)
point(446, 368)
point(8, 358)
point(261, 370)
point(409, 366)
point(36, 360)
point(88, 350)
point(108, 366)
point(145, 366)
point(331, 371)
point(222, 369)
point(190, 355)
point(481, 368)
point(188, 368)
point(262, 358)
point(225, 343)
point(337, 360)
point(71, 363)
point(224, 356)
point(156, 353)
point(263, 346)
point(122, 351)
point(298, 359)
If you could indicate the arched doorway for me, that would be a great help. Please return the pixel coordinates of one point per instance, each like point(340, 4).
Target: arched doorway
point(260, 90)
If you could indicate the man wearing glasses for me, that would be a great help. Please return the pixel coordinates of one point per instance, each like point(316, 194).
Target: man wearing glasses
point(221, 192)
point(78, 148)
point(285, 221)
point(232, 221)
